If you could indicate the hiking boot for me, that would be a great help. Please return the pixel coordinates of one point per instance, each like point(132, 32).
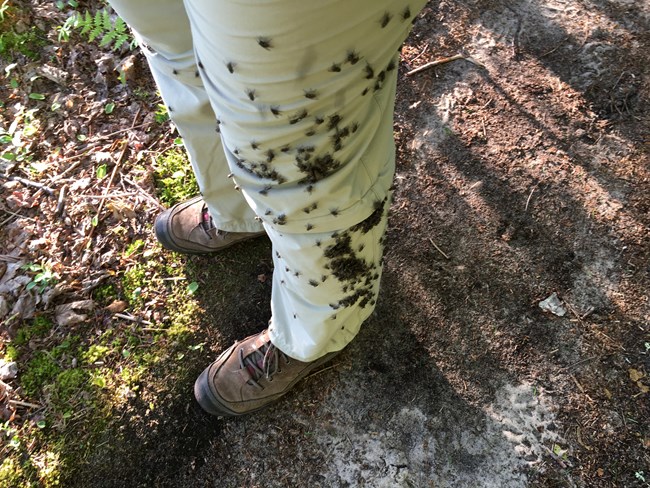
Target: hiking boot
point(250, 375)
point(188, 228)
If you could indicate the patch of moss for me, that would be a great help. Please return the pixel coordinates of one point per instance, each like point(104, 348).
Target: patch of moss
point(133, 280)
point(40, 326)
point(174, 177)
point(67, 385)
point(27, 43)
point(94, 353)
point(40, 370)
point(11, 473)
point(134, 247)
point(11, 353)
point(104, 294)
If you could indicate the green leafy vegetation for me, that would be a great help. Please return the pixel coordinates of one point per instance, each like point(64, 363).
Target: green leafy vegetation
point(109, 29)
point(174, 177)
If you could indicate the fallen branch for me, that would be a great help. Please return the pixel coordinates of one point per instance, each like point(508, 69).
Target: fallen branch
point(438, 62)
point(33, 184)
point(24, 404)
point(60, 204)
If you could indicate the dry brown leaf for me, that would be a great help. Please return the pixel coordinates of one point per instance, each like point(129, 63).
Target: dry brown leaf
point(66, 314)
point(117, 306)
point(635, 375)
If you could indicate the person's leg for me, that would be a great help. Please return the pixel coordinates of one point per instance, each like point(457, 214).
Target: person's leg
point(304, 95)
point(324, 287)
point(163, 31)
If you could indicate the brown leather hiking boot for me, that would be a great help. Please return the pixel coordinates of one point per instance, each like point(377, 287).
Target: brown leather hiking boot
point(188, 228)
point(248, 376)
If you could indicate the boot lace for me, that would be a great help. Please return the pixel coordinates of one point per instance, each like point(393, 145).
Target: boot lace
point(207, 224)
point(263, 363)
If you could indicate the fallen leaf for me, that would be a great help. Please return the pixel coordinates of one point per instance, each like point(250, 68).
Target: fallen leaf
point(600, 472)
point(25, 307)
point(117, 306)
point(635, 375)
point(66, 314)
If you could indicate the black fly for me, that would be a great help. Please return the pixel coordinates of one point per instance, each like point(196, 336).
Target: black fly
point(265, 42)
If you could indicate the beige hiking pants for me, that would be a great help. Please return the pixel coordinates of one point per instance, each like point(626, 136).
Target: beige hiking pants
point(293, 99)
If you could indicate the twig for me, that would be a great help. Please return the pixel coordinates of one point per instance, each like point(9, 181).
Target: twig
point(112, 195)
point(71, 167)
point(438, 249)
point(556, 457)
point(24, 404)
point(571, 366)
point(556, 47)
point(110, 183)
point(106, 136)
point(60, 204)
point(421, 53)
point(573, 311)
point(438, 62)
point(8, 259)
point(322, 370)
point(132, 319)
point(529, 197)
point(144, 193)
point(33, 184)
point(589, 311)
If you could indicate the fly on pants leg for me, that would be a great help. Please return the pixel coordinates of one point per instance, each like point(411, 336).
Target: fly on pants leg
point(304, 93)
point(164, 34)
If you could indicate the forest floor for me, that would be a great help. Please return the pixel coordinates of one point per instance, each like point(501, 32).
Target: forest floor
point(522, 176)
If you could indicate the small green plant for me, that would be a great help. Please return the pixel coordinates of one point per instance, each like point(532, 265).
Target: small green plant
point(43, 277)
point(27, 43)
point(640, 475)
point(161, 115)
point(100, 26)
point(19, 135)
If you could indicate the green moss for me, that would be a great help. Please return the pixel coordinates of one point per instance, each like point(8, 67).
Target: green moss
point(22, 336)
point(11, 473)
point(26, 43)
point(174, 177)
point(105, 293)
point(95, 353)
point(39, 327)
point(68, 384)
point(134, 247)
point(41, 369)
point(132, 282)
point(11, 353)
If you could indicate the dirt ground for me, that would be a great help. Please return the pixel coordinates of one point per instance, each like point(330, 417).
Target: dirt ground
point(522, 172)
